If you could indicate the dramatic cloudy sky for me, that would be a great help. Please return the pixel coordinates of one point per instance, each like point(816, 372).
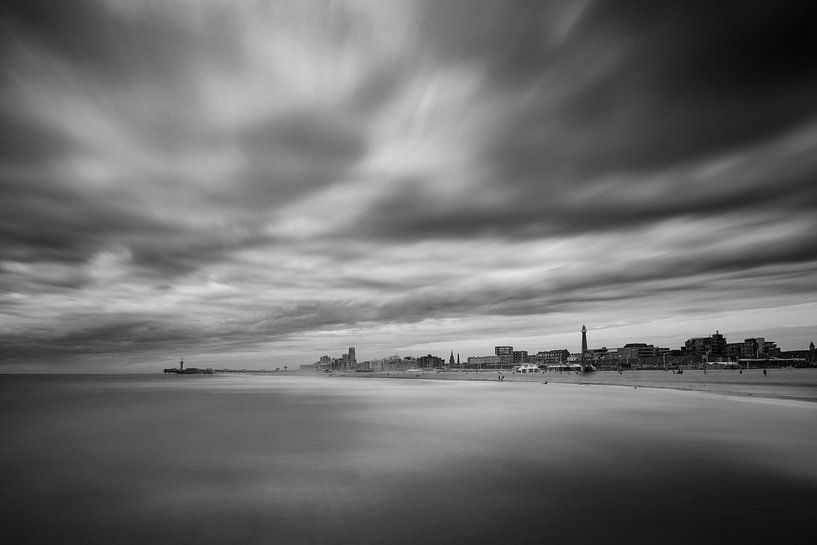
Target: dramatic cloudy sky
point(260, 183)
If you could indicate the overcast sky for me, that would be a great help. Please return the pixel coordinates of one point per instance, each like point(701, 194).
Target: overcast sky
point(261, 183)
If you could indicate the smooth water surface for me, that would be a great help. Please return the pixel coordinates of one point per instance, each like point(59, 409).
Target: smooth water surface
point(218, 459)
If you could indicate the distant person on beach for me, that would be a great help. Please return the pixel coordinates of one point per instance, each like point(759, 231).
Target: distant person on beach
point(764, 372)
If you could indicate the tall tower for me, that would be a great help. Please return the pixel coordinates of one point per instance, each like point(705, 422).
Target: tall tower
point(584, 340)
point(352, 359)
point(451, 359)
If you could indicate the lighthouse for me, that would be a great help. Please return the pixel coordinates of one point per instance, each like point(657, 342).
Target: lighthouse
point(584, 340)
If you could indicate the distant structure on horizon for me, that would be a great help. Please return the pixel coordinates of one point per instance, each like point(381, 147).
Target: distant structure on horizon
point(584, 339)
point(180, 370)
point(712, 350)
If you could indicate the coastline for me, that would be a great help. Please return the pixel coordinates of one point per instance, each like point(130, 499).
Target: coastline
point(785, 384)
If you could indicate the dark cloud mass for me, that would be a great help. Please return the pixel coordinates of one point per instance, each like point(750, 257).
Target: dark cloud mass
point(266, 180)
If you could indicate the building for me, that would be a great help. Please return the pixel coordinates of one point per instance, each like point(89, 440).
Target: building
point(584, 339)
point(551, 357)
point(484, 361)
point(750, 348)
point(734, 351)
point(520, 356)
point(407, 362)
point(351, 356)
point(758, 347)
point(596, 353)
point(808, 356)
point(429, 362)
point(641, 351)
point(714, 345)
point(505, 353)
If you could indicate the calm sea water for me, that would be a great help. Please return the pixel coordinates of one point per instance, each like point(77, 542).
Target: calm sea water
point(135, 459)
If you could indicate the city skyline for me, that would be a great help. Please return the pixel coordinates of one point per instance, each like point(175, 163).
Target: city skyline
point(681, 347)
point(273, 181)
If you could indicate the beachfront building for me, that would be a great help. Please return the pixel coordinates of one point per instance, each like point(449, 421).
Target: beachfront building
point(323, 363)
point(346, 361)
point(734, 351)
point(809, 356)
point(505, 354)
point(759, 347)
point(403, 363)
point(607, 358)
point(639, 351)
point(479, 362)
point(552, 357)
point(712, 346)
point(520, 356)
point(430, 362)
point(641, 355)
point(593, 354)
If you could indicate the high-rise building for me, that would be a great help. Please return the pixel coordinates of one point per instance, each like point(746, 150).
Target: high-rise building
point(451, 359)
point(520, 356)
point(505, 354)
point(351, 358)
point(503, 350)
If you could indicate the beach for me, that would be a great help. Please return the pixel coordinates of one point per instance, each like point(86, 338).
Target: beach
point(795, 384)
point(312, 459)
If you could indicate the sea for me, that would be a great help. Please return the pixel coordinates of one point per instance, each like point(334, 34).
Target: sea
point(134, 459)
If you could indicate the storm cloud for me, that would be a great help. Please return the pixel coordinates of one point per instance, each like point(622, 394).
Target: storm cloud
point(256, 182)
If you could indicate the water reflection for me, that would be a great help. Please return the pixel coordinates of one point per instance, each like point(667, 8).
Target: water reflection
point(322, 460)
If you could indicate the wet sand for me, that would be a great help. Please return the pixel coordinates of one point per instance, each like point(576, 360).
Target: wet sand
point(797, 384)
point(212, 459)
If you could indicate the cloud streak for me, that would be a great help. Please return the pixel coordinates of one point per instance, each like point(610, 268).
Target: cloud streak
point(259, 179)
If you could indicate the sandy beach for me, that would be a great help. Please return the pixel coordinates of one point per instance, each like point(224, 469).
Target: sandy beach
point(297, 458)
point(797, 384)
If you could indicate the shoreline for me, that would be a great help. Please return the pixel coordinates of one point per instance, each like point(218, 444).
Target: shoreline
point(784, 384)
